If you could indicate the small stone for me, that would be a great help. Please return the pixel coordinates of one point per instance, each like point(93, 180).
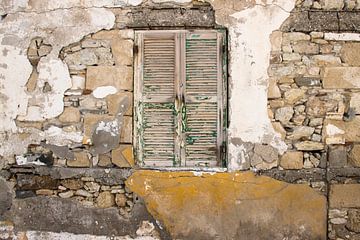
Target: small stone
point(292, 160)
point(70, 115)
point(332, 4)
point(123, 52)
point(146, 229)
point(294, 95)
point(316, 137)
point(72, 184)
point(279, 129)
point(67, 194)
point(326, 60)
point(105, 200)
point(295, 37)
point(354, 220)
point(308, 164)
point(120, 200)
point(316, 122)
point(123, 156)
point(350, 54)
point(81, 160)
point(354, 156)
point(307, 81)
point(309, 146)
point(83, 193)
point(45, 192)
point(284, 114)
point(305, 47)
point(266, 152)
point(316, 35)
point(337, 213)
point(337, 156)
point(314, 161)
point(104, 161)
point(87, 179)
point(291, 57)
point(338, 220)
point(273, 89)
point(302, 132)
point(92, 187)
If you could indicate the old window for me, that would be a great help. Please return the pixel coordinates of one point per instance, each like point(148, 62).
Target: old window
point(180, 98)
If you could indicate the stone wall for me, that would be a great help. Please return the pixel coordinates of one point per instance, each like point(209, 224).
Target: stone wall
point(67, 168)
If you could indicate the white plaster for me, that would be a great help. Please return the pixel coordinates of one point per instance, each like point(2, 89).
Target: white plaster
point(111, 127)
point(36, 235)
point(102, 92)
point(13, 77)
point(332, 130)
point(342, 37)
point(249, 61)
point(22, 160)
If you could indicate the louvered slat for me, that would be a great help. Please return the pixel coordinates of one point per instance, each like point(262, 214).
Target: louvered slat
point(158, 93)
point(201, 95)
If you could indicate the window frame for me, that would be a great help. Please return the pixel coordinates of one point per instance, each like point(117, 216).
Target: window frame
point(180, 78)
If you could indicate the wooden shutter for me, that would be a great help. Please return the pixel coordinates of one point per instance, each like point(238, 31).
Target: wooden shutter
point(156, 123)
point(179, 93)
point(203, 99)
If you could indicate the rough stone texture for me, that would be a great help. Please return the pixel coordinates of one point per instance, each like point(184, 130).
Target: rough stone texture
point(63, 215)
point(354, 156)
point(353, 223)
point(31, 182)
point(276, 209)
point(203, 17)
point(292, 160)
point(341, 77)
point(81, 160)
point(348, 130)
point(119, 77)
point(123, 156)
point(344, 196)
point(337, 156)
point(105, 200)
point(350, 54)
point(5, 197)
point(123, 52)
point(309, 146)
point(70, 115)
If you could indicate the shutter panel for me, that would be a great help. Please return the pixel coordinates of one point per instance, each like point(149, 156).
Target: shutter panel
point(157, 120)
point(203, 99)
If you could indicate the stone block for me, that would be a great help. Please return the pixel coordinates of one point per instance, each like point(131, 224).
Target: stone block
point(292, 160)
point(353, 223)
point(350, 54)
point(323, 21)
point(90, 121)
point(349, 130)
point(104, 161)
point(73, 184)
point(307, 81)
point(120, 200)
point(337, 156)
point(355, 37)
point(344, 196)
point(305, 47)
point(309, 146)
point(81, 160)
point(114, 100)
point(279, 129)
point(284, 114)
point(301, 132)
point(105, 200)
point(122, 51)
point(294, 95)
point(70, 115)
point(341, 77)
point(354, 156)
point(349, 21)
point(120, 77)
point(123, 156)
point(355, 101)
point(332, 4)
point(31, 182)
point(126, 134)
point(297, 22)
point(325, 60)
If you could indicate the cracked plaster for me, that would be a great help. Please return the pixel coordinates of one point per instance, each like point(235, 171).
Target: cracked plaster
point(249, 48)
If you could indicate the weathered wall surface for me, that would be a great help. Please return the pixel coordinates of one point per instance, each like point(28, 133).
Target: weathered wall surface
point(66, 158)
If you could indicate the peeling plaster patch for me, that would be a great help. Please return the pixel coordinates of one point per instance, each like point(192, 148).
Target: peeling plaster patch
point(23, 160)
point(102, 92)
point(110, 127)
point(35, 235)
point(249, 60)
point(12, 85)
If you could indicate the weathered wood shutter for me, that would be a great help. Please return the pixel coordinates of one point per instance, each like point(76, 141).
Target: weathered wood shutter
point(156, 125)
point(204, 99)
point(179, 98)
